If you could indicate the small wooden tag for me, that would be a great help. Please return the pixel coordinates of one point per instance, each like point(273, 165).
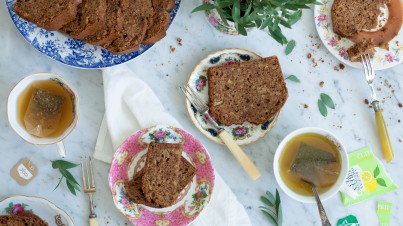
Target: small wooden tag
point(24, 171)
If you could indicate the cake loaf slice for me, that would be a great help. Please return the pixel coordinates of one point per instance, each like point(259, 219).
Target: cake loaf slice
point(137, 19)
point(161, 173)
point(360, 48)
point(48, 14)
point(22, 219)
point(351, 16)
point(251, 91)
point(135, 192)
point(158, 29)
point(113, 24)
point(91, 17)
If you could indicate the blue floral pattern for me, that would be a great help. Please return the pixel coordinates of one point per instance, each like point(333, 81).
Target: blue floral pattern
point(71, 51)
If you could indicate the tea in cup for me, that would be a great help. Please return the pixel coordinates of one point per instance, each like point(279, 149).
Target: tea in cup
point(43, 109)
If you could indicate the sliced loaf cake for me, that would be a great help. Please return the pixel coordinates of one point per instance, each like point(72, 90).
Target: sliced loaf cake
point(113, 25)
point(158, 29)
point(48, 14)
point(351, 16)
point(91, 17)
point(161, 173)
point(22, 219)
point(135, 192)
point(137, 19)
point(252, 91)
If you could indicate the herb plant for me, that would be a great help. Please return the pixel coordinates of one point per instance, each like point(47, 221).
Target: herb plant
point(272, 210)
point(269, 15)
point(63, 167)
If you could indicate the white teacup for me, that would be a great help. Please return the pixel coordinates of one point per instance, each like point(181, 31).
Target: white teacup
point(343, 171)
point(19, 128)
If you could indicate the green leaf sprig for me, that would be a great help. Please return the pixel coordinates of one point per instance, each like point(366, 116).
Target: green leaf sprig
point(324, 102)
point(63, 167)
point(268, 15)
point(293, 78)
point(272, 210)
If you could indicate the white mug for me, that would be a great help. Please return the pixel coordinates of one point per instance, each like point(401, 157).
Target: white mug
point(19, 128)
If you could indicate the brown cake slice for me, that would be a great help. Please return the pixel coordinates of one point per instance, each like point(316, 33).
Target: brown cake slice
point(351, 16)
point(161, 173)
point(360, 48)
point(48, 14)
point(158, 29)
point(137, 19)
point(22, 219)
point(113, 24)
point(252, 91)
point(135, 192)
point(91, 17)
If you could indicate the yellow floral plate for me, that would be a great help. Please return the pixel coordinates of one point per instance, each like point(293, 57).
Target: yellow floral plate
point(242, 134)
point(130, 158)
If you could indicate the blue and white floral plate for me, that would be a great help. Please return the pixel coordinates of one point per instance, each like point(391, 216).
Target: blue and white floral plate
point(242, 134)
point(338, 45)
point(41, 207)
point(71, 51)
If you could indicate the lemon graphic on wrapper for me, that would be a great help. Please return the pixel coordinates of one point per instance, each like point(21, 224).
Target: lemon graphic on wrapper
point(369, 181)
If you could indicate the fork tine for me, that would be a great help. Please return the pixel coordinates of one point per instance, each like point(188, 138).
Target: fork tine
point(370, 64)
point(190, 97)
point(82, 168)
point(92, 174)
point(88, 175)
point(364, 65)
point(202, 104)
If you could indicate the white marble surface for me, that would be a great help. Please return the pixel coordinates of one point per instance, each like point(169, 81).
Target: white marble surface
point(352, 121)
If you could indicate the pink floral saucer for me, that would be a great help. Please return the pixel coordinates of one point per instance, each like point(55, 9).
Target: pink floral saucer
point(130, 158)
point(338, 46)
point(242, 134)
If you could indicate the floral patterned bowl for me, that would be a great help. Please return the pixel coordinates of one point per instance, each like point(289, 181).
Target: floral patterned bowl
point(242, 134)
point(338, 45)
point(130, 158)
point(43, 208)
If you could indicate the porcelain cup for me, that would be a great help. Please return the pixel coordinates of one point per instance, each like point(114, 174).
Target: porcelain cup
point(19, 128)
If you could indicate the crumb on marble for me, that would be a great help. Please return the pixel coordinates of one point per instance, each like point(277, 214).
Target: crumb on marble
point(306, 106)
point(341, 66)
point(366, 101)
point(321, 83)
point(172, 49)
point(179, 41)
point(400, 105)
point(309, 55)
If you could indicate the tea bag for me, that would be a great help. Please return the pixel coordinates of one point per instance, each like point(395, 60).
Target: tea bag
point(314, 165)
point(43, 113)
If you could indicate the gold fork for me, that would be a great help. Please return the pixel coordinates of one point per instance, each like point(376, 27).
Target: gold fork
point(89, 187)
point(380, 122)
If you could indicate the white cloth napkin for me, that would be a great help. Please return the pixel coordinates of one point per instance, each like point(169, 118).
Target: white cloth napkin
point(130, 106)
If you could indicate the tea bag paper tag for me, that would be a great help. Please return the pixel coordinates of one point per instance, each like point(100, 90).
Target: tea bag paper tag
point(24, 171)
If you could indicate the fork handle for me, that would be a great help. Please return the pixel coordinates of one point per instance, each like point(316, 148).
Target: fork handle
point(383, 133)
point(93, 221)
point(242, 158)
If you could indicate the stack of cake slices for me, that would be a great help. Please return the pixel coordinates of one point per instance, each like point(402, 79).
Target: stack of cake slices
point(119, 26)
point(165, 174)
point(21, 219)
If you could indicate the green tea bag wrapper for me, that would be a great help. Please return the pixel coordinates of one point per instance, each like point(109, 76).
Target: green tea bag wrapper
point(384, 211)
point(366, 178)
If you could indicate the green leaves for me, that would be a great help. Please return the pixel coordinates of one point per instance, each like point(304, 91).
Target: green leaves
point(290, 46)
point(63, 167)
point(293, 78)
point(324, 102)
point(381, 182)
point(272, 210)
point(270, 15)
point(376, 171)
point(204, 7)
